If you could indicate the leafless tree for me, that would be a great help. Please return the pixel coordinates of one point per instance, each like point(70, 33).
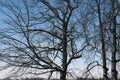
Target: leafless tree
point(41, 34)
point(48, 35)
point(114, 38)
point(98, 2)
point(106, 41)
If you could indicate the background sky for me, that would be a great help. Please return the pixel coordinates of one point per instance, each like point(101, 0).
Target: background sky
point(79, 65)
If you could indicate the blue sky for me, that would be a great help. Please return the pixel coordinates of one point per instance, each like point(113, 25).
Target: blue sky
point(79, 64)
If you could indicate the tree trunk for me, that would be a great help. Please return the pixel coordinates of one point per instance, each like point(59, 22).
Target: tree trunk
point(105, 77)
point(64, 55)
point(113, 57)
point(113, 64)
point(63, 75)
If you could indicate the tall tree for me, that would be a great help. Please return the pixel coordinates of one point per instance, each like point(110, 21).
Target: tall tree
point(108, 20)
point(114, 43)
point(105, 77)
point(42, 34)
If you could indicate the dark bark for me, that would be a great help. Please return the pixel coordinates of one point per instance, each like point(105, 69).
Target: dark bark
point(105, 77)
point(113, 57)
point(64, 60)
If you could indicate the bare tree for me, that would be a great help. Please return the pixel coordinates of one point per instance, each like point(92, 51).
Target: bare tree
point(105, 77)
point(48, 35)
point(106, 42)
point(42, 34)
point(114, 43)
